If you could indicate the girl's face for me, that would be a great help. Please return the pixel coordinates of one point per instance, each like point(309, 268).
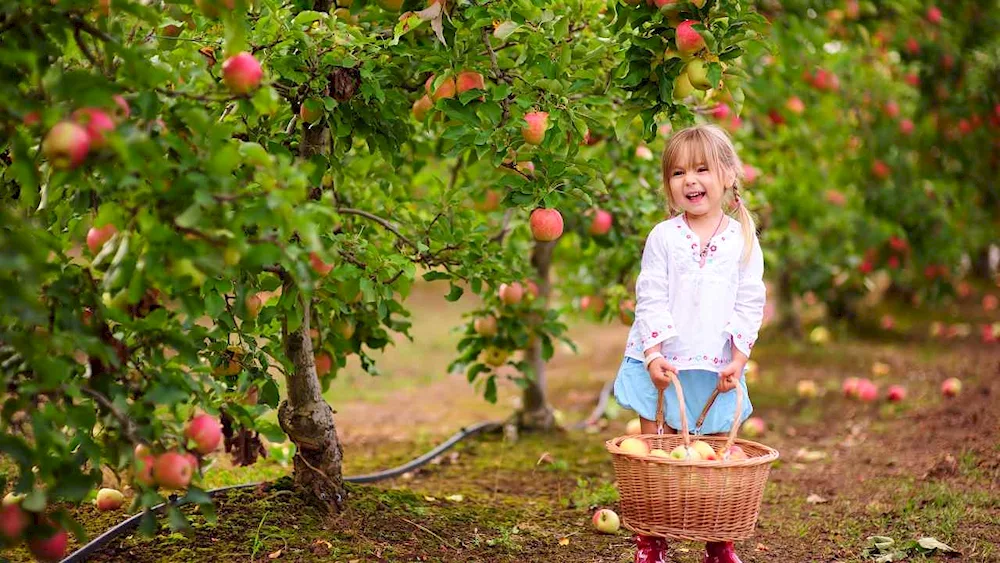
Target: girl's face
point(695, 187)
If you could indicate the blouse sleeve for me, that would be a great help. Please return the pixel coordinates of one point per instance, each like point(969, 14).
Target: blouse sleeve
point(748, 312)
point(653, 320)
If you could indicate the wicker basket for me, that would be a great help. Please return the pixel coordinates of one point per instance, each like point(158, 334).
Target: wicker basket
point(704, 500)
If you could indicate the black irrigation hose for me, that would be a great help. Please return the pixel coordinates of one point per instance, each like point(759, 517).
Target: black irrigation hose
point(81, 555)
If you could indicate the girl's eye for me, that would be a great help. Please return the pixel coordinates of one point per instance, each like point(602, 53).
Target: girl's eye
point(677, 172)
point(702, 169)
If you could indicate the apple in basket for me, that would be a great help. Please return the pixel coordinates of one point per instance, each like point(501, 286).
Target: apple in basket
point(705, 451)
point(733, 453)
point(685, 452)
point(634, 446)
point(659, 453)
point(606, 521)
point(633, 427)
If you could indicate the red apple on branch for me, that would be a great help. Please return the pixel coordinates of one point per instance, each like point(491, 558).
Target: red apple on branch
point(241, 73)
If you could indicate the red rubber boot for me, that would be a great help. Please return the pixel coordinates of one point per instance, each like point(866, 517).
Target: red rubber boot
point(711, 548)
point(650, 549)
point(721, 552)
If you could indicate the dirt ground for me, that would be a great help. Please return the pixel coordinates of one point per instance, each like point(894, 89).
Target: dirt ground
point(928, 466)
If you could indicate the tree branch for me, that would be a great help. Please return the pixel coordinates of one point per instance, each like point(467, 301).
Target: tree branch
point(389, 226)
point(84, 49)
point(128, 427)
point(505, 227)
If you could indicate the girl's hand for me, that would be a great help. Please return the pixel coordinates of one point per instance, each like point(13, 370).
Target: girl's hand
point(658, 369)
point(730, 375)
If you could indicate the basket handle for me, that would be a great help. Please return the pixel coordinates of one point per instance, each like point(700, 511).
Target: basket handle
point(708, 405)
point(680, 402)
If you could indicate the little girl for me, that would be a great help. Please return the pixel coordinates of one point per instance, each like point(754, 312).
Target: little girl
point(699, 302)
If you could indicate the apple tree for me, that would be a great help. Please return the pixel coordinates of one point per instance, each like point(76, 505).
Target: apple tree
point(207, 208)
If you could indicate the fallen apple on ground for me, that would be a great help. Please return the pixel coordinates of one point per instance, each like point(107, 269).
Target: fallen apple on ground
point(606, 521)
point(951, 387)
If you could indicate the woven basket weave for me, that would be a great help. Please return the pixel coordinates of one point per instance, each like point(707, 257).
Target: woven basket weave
point(703, 500)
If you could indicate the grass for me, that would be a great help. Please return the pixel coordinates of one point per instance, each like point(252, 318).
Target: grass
point(493, 499)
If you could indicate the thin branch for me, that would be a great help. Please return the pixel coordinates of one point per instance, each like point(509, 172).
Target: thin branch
point(196, 233)
point(389, 226)
point(201, 98)
point(505, 227)
point(84, 49)
point(511, 165)
point(499, 76)
point(128, 427)
point(277, 269)
point(454, 173)
point(82, 24)
point(431, 532)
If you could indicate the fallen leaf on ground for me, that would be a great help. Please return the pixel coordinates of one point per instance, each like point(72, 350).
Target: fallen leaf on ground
point(455, 498)
point(762, 547)
point(815, 499)
point(564, 541)
point(274, 554)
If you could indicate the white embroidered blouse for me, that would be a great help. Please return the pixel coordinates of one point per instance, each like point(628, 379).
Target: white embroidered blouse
point(697, 313)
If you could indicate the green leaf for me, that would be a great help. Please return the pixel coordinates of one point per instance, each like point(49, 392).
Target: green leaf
point(434, 275)
point(490, 394)
point(475, 370)
point(455, 293)
point(254, 154)
point(190, 218)
point(271, 431)
point(269, 394)
point(306, 17)
point(176, 519)
point(208, 511)
point(224, 161)
point(35, 501)
point(215, 304)
point(505, 30)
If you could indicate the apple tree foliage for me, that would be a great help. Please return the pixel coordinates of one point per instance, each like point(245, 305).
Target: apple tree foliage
point(256, 234)
point(873, 130)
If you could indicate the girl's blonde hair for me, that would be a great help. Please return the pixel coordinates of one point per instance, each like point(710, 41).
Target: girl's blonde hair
point(711, 145)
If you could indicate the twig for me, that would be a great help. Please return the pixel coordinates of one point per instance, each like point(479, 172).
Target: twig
point(498, 75)
point(454, 175)
point(429, 531)
point(276, 269)
point(504, 228)
point(389, 226)
point(82, 24)
point(201, 98)
point(126, 422)
point(83, 47)
point(514, 167)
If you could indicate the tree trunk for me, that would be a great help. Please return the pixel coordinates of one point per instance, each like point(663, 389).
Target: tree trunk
point(536, 412)
point(308, 421)
point(304, 415)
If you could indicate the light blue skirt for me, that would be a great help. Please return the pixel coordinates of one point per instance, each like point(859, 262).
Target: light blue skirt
point(634, 390)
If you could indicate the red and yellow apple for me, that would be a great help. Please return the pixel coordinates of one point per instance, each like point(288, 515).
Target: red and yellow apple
point(546, 224)
point(606, 521)
point(109, 499)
